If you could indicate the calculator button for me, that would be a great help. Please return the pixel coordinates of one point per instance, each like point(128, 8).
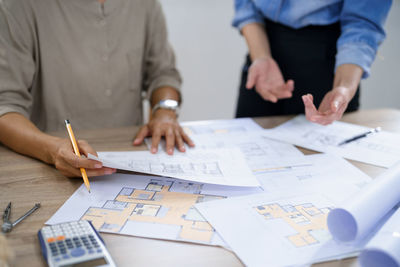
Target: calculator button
point(66, 257)
point(57, 259)
point(77, 252)
point(51, 239)
point(91, 251)
point(61, 237)
point(99, 250)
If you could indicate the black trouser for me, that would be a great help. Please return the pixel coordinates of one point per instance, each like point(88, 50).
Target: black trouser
point(305, 55)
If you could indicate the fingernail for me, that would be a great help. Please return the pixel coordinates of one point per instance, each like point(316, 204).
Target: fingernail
point(98, 165)
point(182, 148)
point(153, 150)
point(170, 151)
point(108, 172)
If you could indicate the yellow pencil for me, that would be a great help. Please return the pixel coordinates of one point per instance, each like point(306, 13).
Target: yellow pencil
point(76, 150)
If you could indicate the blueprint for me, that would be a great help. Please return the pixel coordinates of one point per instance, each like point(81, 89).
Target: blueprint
point(278, 229)
point(380, 149)
point(289, 219)
point(241, 125)
point(214, 166)
point(147, 206)
point(259, 151)
point(315, 172)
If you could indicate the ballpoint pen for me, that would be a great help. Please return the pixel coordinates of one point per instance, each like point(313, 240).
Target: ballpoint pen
point(354, 138)
point(76, 150)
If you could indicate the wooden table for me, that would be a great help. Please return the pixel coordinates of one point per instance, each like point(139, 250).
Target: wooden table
point(25, 181)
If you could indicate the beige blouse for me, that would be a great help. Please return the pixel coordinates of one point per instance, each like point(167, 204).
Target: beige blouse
point(83, 61)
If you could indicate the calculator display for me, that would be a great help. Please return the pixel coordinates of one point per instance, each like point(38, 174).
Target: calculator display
point(90, 263)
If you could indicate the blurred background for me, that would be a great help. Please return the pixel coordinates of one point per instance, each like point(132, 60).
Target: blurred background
point(210, 54)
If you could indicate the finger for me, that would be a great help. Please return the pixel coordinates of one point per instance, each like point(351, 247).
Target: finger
point(100, 172)
point(85, 148)
point(78, 162)
point(155, 140)
point(69, 171)
point(266, 94)
point(141, 135)
point(337, 103)
point(186, 138)
point(324, 119)
point(251, 79)
point(290, 85)
point(169, 141)
point(310, 109)
point(281, 92)
point(179, 141)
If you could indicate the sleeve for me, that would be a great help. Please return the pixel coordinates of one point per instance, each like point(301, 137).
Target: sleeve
point(17, 65)
point(246, 13)
point(159, 62)
point(361, 32)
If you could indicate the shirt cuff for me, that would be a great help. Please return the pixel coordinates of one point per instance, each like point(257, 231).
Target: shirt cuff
point(244, 23)
point(164, 82)
point(360, 54)
point(13, 109)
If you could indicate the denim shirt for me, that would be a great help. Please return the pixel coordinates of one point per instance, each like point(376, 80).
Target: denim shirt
point(361, 22)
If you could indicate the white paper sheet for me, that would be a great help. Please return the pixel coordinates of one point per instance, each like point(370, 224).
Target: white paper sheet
point(359, 215)
point(383, 249)
point(257, 149)
point(279, 229)
point(147, 206)
point(241, 125)
point(320, 181)
point(214, 166)
point(380, 149)
point(314, 172)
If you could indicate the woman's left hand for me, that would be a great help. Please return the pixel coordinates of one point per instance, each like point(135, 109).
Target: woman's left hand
point(164, 123)
point(331, 108)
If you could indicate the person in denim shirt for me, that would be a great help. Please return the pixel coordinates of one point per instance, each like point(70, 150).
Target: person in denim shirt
point(303, 52)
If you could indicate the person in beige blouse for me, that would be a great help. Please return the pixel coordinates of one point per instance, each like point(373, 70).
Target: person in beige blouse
point(88, 61)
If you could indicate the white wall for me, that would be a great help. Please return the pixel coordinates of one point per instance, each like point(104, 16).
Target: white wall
point(210, 54)
point(382, 88)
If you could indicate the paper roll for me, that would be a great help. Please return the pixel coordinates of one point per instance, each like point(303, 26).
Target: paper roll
point(359, 215)
point(384, 247)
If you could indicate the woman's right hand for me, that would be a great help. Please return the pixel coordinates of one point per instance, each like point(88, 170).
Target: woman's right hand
point(69, 164)
point(265, 75)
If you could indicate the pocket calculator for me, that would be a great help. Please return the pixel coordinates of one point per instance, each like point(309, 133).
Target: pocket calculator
point(74, 244)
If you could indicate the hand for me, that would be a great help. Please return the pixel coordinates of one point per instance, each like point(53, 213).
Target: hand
point(164, 123)
point(332, 107)
point(266, 76)
point(69, 164)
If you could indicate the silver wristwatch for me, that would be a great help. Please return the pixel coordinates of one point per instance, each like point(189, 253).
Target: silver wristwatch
point(167, 104)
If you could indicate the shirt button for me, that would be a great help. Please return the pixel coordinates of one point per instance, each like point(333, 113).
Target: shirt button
point(108, 92)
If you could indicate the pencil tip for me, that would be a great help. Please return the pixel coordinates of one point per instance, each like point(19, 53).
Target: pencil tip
point(66, 121)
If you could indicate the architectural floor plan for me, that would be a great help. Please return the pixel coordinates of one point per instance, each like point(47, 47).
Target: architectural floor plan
point(306, 220)
point(147, 206)
point(225, 166)
point(163, 203)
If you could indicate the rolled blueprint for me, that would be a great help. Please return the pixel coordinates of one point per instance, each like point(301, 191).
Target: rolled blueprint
point(358, 216)
point(384, 247)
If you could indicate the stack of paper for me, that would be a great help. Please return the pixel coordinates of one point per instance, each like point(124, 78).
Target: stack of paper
point(380, 149)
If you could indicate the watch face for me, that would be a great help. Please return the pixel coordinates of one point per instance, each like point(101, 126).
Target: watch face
point(170, 103)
